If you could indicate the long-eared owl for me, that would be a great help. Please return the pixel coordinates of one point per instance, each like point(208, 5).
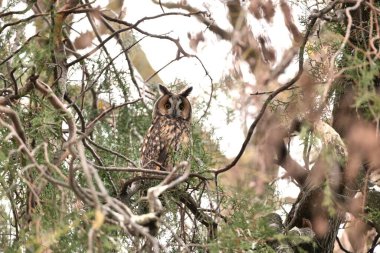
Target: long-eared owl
point(168, 139)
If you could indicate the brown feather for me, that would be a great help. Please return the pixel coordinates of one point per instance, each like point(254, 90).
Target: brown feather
point(169, 132)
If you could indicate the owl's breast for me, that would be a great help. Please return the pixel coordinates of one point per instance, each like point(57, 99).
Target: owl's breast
point(175, 133)
point(164, 139)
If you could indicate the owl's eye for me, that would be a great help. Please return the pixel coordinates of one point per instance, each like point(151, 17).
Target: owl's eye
point(168, 105)
point(181, 106)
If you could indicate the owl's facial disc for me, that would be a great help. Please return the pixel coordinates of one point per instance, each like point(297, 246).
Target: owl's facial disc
point(173, 106)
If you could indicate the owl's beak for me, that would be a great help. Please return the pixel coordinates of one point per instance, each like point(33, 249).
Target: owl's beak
point(174, 114)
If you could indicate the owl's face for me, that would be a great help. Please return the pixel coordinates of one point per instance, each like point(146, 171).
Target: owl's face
point(171, 105)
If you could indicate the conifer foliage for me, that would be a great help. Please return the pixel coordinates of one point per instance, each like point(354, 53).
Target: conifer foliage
point(76, 98)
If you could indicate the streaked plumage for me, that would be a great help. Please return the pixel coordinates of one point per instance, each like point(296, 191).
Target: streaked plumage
point(168, 139)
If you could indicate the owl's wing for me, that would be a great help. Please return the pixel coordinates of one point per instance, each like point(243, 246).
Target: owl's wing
point(152, 154)
point(167, 142)
point(162, 156)
point(154, 149)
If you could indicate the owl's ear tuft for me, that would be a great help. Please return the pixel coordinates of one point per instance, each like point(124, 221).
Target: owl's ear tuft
point(163, 89)
point(186, 92)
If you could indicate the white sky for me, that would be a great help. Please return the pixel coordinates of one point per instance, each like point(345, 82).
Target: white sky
point(215, 54)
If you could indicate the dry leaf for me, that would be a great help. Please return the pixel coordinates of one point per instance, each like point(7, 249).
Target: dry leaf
point(84, 40)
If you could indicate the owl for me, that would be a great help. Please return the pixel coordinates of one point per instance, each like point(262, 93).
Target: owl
point(168, 139)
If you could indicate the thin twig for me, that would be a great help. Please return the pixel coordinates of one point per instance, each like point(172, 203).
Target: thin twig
point(341, 246)
point(374, 243)
point(269, 99)
point(23, 20)
point(19, 49)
